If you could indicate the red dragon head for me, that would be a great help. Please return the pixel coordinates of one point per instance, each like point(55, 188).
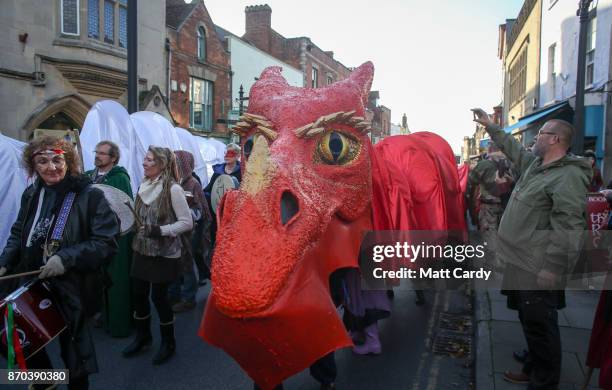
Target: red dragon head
point(299, 214)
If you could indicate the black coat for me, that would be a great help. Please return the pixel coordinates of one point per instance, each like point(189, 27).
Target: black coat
point(88, 242)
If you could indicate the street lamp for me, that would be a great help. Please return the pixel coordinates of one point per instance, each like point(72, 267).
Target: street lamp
point(583, 15)
point(241, 100)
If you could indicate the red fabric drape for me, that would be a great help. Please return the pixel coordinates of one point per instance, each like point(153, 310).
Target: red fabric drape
point(416, 185)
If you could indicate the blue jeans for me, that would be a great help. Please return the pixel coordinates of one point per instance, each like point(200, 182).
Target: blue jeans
point(186, 287)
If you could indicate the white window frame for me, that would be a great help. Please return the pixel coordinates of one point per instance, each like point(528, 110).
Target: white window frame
point(592, 35)
point(314, 76)
point(211, 87)
point(78, 21)
point(552, 71)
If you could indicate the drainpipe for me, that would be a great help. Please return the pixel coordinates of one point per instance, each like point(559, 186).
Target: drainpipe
point(168, 62)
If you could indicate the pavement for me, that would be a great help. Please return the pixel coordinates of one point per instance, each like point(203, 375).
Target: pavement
point(499, 333)
point(407, 361)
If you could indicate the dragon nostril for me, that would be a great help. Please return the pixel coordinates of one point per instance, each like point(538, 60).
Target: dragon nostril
point(288, 207)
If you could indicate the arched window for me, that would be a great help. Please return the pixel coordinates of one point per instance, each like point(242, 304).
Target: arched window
point(201, 43)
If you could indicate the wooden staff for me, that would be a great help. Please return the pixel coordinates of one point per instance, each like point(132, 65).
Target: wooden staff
point(129, 205)
point(20, 275)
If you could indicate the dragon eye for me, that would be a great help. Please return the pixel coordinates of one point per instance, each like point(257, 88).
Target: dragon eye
point(336, 148)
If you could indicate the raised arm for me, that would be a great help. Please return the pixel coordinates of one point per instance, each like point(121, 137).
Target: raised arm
point(520, 157)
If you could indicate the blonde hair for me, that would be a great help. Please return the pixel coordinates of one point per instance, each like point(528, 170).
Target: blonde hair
point(169, 176)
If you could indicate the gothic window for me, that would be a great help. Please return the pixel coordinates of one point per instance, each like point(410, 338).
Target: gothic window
point(201, 43)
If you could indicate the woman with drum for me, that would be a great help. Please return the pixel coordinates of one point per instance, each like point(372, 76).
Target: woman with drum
point(163, 215)
point(66, 229)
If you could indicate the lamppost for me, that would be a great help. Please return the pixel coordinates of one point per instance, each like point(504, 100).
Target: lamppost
point(241, 100)
point(132, 55)
point(583, 15)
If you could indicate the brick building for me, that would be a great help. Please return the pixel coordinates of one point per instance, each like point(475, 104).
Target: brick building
point(319, 66)
point(200, 74)
point(379, 116)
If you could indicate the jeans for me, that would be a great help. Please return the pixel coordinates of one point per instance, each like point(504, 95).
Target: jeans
point(186, 287)
point(539, 321)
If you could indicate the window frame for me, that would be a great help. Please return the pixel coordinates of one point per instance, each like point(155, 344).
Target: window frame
point(201, 43)
point(590, 53)
point(314, 77)
point(517, 76)
point(97, 36)
point(114, 37)
point(552, 70)
point(119, 7)
point(206, 125)
point(78, 19)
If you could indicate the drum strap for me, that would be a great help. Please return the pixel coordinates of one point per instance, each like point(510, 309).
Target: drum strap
point(60, 224)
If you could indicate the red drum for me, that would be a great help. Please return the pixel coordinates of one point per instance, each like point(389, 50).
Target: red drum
point(36, 318)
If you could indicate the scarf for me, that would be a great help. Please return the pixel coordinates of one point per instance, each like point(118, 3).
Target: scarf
point(150, 189)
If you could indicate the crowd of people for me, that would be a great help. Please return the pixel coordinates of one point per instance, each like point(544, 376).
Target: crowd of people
point(529, 204)
point(68, 232)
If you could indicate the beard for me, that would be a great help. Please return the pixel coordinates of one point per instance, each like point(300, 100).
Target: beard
point(537, 150)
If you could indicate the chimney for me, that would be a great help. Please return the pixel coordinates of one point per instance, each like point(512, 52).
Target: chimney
point(258, 28)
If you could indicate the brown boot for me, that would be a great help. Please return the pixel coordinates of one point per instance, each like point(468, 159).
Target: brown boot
point(519, 378)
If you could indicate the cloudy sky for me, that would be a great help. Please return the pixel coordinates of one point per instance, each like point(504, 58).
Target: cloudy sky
point(434, 60)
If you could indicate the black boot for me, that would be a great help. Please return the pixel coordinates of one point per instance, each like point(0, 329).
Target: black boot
point(168, 345)
point(143, 337)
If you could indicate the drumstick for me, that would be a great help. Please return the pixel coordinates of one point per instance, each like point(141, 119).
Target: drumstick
point(129, 205)
point(20, 275)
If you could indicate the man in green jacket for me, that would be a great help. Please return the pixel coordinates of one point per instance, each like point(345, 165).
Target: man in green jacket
point(117, 310)
point(539, 239)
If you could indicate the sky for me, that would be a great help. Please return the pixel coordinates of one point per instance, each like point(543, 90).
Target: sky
point(434, 60)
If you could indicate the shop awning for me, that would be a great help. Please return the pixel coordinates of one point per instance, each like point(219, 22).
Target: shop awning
point(538, 115)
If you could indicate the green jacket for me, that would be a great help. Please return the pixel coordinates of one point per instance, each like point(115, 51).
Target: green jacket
point(544, 222)
point(117, 177)
point(117, 309)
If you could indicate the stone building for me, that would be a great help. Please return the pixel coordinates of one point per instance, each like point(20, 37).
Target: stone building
point(319, 66)
point(200, 74)
point(59, 57)
point(521, 63)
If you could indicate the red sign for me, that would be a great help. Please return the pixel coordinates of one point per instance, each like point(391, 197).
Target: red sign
point(598, 212)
